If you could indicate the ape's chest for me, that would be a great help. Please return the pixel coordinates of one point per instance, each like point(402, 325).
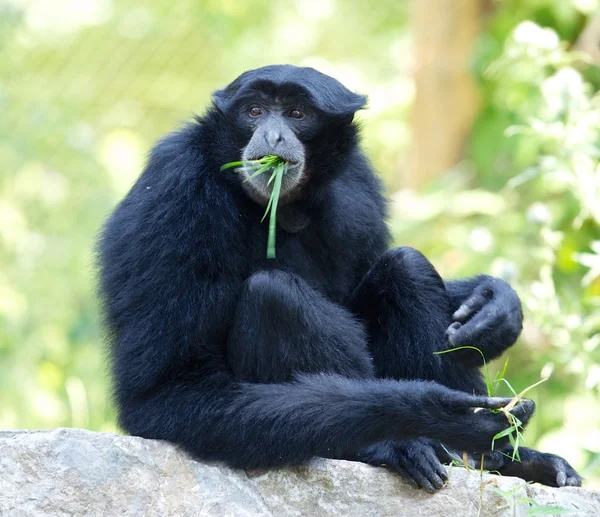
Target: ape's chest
point(322, 258)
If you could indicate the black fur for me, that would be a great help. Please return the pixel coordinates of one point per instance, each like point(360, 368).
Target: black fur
point(325, 351)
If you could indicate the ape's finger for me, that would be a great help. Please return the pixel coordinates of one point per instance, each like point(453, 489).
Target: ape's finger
point(470, 307)
point(437, 469)
point(524, 410)
point(451, 330)
point(475, 401)
point(441, 472)
point(485, 325)
point(424, 470)
point(420, 478)
point(403, 473)
point(432, 467)
point(565, 474)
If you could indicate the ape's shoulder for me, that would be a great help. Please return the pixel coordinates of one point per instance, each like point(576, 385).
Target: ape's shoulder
point(178, 212)
point(358, 202)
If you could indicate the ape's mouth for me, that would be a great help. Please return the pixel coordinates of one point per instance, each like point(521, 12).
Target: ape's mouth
point(288, 162)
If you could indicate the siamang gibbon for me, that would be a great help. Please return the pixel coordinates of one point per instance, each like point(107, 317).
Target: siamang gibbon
point(327, 350)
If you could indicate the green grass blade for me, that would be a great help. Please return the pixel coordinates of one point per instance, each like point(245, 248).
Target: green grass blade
point(507, 432)
point(515, 445)
point(461, 348)
point(262, 169)
point(269, 160)
point(489, 383)
point(270, 203)
point(230, 165)
point(272, 178)
point(272, 219)
point(503, 372)
point(512, 390)
point(548, 509)
point(256, 168)
point(500, 376)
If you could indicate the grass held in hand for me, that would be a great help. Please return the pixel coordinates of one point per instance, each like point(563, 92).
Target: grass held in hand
point(513, 431)
point(257, 167)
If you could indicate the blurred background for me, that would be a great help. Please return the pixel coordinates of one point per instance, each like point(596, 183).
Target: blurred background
point(484, 123)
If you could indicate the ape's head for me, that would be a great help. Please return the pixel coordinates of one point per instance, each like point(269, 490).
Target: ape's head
point(299, 114)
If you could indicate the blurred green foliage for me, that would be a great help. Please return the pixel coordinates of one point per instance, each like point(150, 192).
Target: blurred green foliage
point(87, 87)
point(525, 206)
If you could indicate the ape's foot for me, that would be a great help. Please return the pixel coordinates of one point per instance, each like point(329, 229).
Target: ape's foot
point(415, 460)
point(539, 467)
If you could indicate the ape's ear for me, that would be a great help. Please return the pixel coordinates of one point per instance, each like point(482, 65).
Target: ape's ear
point(219, 99)
point(222, 98)
point(329, 95)
point(337, 102)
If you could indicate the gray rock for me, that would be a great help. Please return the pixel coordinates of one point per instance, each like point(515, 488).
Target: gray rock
point(71, 472)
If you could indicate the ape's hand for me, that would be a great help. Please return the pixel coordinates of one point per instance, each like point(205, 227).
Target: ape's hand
point(490, 319)
point(462, 425)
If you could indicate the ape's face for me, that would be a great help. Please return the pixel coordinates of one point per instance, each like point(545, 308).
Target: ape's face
point(278, 123)
point(290, 112)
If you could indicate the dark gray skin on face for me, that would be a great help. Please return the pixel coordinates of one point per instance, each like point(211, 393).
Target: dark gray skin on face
point(274, 134)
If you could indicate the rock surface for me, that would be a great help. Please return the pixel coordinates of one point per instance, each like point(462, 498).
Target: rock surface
point(71, 472)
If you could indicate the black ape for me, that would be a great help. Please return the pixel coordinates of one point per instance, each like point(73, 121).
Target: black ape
point(325, 351)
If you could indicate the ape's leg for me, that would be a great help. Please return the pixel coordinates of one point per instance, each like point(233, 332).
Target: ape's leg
point(407, 310)
point(217, 416)
point(283, 327)
point(405, 306)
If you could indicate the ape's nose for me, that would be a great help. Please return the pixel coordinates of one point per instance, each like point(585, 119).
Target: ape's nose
point(273, 137)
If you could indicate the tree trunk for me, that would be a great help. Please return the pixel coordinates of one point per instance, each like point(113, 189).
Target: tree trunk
point(589, 39)
point(446, 100)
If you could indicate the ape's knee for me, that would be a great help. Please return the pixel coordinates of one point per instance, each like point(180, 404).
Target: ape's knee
point(404, 265)
point(272, 287)
point(266, 280)
point(403, 258)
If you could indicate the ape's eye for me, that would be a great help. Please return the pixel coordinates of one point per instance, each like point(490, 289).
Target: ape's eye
point(255, 111)
point(296, 114)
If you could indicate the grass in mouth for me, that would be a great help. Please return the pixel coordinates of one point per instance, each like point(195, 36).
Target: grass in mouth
point(513, 431)
point(257, 167)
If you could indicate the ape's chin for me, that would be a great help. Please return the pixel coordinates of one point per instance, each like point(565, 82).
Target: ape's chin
point(257, 195)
